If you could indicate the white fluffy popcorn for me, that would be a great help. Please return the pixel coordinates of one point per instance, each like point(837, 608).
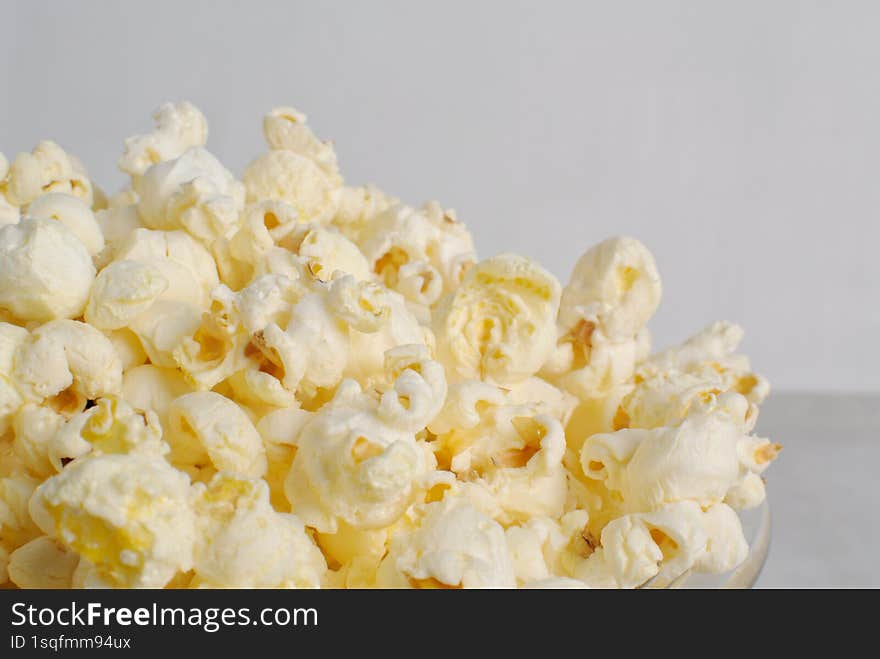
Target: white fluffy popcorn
point(695, 461)
point(615, 286)
point(179, 127)
point(284, 381)
point(66, 363)
point(75, 214)
point(42, 563)
point(351, 466)
point(500, 323)
point(123, 291)
point(244, 543)
point(285, 129)
point(358, 208)
point(110, 426)
point(48, 168)
point(206, 429)
point(295, 179)
point(45, 271)
point(150, 388)
point(131, 516)
point(402, 241)
point(193, 192)
point(448, 544)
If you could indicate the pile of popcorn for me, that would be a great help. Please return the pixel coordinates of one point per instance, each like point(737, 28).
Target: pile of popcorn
point(284, 381)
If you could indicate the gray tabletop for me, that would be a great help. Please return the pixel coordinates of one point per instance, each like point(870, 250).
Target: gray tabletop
point(823, 490)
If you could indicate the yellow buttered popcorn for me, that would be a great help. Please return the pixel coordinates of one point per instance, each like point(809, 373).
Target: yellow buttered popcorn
point(130, 516)
point(274, 378)
point(110, 426)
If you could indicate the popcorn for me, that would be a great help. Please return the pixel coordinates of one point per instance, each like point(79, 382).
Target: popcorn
point(479, 427)
point(668, 398)
point(357, 209)
point(244, 543)
point(205, 428)
point(163, 329)
point(123, 291)
point(73, 213)
point(352, 467)
point(418, 391)
point(695, 461)
point(325, 251)
point(34, 428)
point(263, 225)
point(185, 263)
point(297, 335)
point(527, 480)
point(615, 286)
point(152, 388)
point(12, 338)
point(750, 492)
point(16, 526)
point(428, 240)
point(726, 546)
point(395, 325)
point(128, 347)
point(661, 546)
point(42, 563)
point(448, 544)
point(129, 515)
point(544, 397)
point(634, 546)
point(162, 297)
point(280, 431)
point(65, 364)
point(287, 382)
point(48, 168)
point(110, 426)
point(45, 271)
point(285, 129)
point(499, 324)
point(116, 226)
point(193, 192)
point(179, 127)
point(555, 583)
point(543, 548)
point(710, 355)
point(9, 214)
point(295, 179)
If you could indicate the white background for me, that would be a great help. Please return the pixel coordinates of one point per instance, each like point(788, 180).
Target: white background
point(739, 140)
